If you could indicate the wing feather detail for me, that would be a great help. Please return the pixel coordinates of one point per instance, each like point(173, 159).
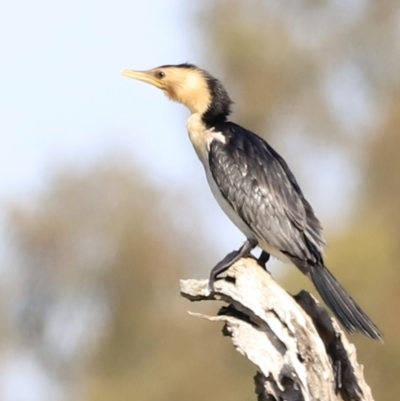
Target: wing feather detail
point(259, 186)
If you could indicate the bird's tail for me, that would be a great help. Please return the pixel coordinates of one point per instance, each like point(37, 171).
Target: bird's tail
point(352, 317)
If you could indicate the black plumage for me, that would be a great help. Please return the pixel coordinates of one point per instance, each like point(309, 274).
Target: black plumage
point(259, 186)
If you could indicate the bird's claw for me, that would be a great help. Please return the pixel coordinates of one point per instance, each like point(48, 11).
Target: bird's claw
point(210, 285)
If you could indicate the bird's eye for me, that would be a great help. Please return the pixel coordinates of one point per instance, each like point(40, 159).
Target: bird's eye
point(160, 74)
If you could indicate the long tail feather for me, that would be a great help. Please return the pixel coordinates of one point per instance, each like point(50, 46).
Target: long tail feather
point(352, 317)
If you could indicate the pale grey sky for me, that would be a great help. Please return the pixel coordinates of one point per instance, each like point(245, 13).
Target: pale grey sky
point(62, 94)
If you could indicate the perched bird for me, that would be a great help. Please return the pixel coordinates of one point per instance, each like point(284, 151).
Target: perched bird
point(255, 188)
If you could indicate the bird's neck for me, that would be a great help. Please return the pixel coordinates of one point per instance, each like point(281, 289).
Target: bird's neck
point(212, 108)
point(208, 114)
point(215, 114)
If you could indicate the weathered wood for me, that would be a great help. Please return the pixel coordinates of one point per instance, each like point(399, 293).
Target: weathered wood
point(301, 352)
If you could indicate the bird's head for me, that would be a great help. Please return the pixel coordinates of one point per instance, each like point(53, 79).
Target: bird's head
point(187, 84)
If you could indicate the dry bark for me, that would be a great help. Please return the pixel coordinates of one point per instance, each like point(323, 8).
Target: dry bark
point(301, 352)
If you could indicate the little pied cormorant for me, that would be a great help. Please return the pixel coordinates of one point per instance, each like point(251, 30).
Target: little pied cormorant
point(255, 188)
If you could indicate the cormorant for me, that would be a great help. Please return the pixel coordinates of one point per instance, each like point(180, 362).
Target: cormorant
point(255, 188)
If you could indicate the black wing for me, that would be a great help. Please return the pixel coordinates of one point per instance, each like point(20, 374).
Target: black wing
point(259, 186)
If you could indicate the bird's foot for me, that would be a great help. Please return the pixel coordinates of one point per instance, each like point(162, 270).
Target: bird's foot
point(263, 259)
point(220, 267)
point(229, 260)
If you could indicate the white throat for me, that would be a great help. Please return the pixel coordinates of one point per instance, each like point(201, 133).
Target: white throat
point(201, 137)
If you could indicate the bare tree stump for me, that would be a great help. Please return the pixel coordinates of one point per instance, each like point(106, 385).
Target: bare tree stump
point(301, 352)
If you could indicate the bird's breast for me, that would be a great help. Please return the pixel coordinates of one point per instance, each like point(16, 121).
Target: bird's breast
point(226, 207)
point(201, 138)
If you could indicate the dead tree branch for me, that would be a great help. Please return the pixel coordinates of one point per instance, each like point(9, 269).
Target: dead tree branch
point(300, 351)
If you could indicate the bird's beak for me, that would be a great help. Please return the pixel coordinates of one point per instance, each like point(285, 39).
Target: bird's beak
point(145, 76)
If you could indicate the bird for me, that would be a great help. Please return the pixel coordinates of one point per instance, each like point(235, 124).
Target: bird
point(255, 187)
